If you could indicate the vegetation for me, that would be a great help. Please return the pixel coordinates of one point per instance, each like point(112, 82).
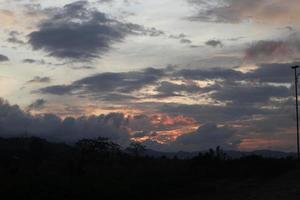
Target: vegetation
point(32, 168)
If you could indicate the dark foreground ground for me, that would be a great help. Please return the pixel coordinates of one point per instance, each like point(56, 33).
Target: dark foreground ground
point(31, 168)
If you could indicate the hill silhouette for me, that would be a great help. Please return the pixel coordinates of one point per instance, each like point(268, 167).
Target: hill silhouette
point(32, 168)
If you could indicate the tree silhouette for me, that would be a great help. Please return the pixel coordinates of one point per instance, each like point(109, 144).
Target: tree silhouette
point(99, 145)
point(137, 149)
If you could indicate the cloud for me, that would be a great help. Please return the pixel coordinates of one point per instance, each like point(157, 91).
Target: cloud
point(238, 88)
point(213, 73)
point(212, 113)
point(238, 11)
point(217, 62)
point(39, 79)
point(182, 38)
point(214, 43)
point(105, 1)
point(116, 97)
point(224, 86)
point(272, 73)
point(14, 122)
point(289, 28)
point(111, 1)
point(109, 85)
point(285, 50)
point(223, 96)
point(78, 32)
point(268, 51)
point(160, 127)
point(14, 38)
point(33, 61)
point(37, 104)
point(158, 122)
point(244, 94)
point(208, 136)
point(3, 58)
point(264, 73)
point(58, 89)
point(166, 89)
point(250, 94)
point(84, 68)
point(185, 41)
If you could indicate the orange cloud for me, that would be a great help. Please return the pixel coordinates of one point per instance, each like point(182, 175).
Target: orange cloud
point(284, 142)
point(170, 120)
point(165, 128)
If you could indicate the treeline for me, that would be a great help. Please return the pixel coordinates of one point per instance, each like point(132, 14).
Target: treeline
point(32, 168)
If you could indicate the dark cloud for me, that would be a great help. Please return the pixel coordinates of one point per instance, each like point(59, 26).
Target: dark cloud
point(264, 73)
point(195, 46)
point(289, 28)
point(180, 36)
point(78, 32)
point(112, 1)
point(214, 43)
point(14, 38)
point(141, 134)
point(34, 10)
point(250, 94)
point(271, 51)
point(37, 104)
point(3, 58)
point(63, 38)
point(251, 102)
point(153, 32)
point(208, 136)
point(272, 73)
point(105, 1)
point(227, 86)
point(185, 41)
point(213, 113)
point(246, 101)
point(244, 88)
point(14, 122)
point(166, 89)
point(104, 84)
point(39, 79)
point(29, 60)
point(143, 124)
point(226, 11)
point(268, 51)
point(115, 97)
point(58, 89)
point(84, 67)
point(120, 82)
point(33, 61)
point(236, 39)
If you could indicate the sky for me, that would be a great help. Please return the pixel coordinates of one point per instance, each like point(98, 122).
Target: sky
point(173, 74)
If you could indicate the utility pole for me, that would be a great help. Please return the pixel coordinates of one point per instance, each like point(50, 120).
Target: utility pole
point(297, 111)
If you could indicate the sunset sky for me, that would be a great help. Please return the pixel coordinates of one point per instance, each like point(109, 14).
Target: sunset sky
point(175, 74)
